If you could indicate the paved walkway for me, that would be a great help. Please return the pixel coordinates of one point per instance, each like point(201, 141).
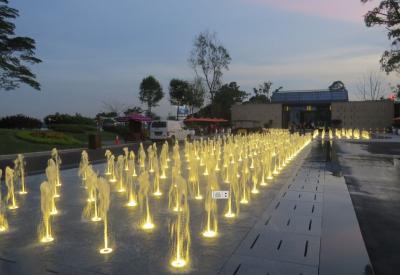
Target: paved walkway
point(310, 228)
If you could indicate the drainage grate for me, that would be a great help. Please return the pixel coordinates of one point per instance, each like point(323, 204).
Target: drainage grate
point(281, 246)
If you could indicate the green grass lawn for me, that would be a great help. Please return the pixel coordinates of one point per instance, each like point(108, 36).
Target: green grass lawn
point(10, 144)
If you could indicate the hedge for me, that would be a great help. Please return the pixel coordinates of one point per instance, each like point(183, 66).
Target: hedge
point(72, 128)
point(58, 118)
point(47, 137)
point(20, 122)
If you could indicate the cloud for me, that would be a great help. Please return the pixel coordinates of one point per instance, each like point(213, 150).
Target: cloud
point(313, 72)
point(342, 10)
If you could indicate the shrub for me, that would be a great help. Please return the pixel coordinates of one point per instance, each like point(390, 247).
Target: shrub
point(20, 122)
point(58, 118)
point(73, 128)
point(47, 137)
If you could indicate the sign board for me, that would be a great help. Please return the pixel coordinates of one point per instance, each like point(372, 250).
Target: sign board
point(220, 195)
point(183, 111)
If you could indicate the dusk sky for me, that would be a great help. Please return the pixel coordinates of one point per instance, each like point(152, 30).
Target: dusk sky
point(96, 51)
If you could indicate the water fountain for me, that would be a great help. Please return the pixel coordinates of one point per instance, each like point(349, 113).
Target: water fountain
point(180, 231)
point(3, 211)
point(51, 173)
point(130, 176)
point(210, 207)
point(57, 160)
point(11, 199)
point(144, 189)
point(120, 176)
point(244, 188)
point(46, 206)
point(19, 168)
point(90, 212)
point(126, 158)
point(132, 164)
point(156, 179)
point(233, 202)
point(163, 161)
point(113, 177)
point(150, 158)
point(104, 206)
point(108, 155)
point(193, 177)
point(142, 157)
point(84, 163)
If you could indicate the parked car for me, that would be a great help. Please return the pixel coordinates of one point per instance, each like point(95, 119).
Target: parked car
point(169, 130)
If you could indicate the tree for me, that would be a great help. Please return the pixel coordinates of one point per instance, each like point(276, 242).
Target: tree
point(107, 114)
point(178, 93)
point(16, 53)
point(337, 85)
point(131, 110)
point(150, 92)
point(387, 14)
point(370, 87)
point(225, 97)
point(263, 93)
point(209, 58)
point(196, 94)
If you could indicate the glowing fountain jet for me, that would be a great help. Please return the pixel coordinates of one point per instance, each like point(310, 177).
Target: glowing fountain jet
point(180, 231)
point(19, 169)
point(46, 201)
point(12, 201)
point(144, 189)
point(3, 211)
point(104, 206)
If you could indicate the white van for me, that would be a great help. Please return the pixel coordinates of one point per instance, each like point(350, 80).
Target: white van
point(169, 130)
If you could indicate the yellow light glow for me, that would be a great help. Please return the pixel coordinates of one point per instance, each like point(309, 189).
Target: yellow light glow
point(131, 204)
point(230, 215)
point(106, 250)
point(209, 234)
point(96, 219)
point(148, 226)
point(178, 263)
point(47, 239)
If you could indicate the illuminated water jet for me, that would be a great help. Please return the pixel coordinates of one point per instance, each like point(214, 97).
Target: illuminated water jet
point(46, 205)
point(57, 160)
point(11, 199)
point(144, 189)
point(113, 177)
point(51, 173)
point(210, 206)
point(3, 211)
point(120, 177)
point(104, 206)
point(90, 212)
point(108, 155)
point(19, 168)
point(84, 163)
point(180, 232)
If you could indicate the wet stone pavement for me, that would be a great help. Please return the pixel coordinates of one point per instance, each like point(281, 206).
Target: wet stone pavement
point(373, 180)
point(77, 242)
point(301, 223)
